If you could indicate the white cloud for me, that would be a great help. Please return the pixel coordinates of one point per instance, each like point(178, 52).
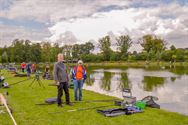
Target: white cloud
point(80, 20)
point(56, 10)
point(135, 22)
point(96, 26)
point(9, 33)
point(66, 38)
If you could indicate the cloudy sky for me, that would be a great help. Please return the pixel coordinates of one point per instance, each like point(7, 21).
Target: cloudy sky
point(79, 21)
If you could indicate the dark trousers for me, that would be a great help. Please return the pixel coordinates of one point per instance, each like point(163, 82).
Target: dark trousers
point(22, 69)
point(63, 86)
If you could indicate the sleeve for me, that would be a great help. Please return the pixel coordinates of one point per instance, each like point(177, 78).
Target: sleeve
point(55, 72)
point(85, 75)
point(68, 78)
point(74, 73)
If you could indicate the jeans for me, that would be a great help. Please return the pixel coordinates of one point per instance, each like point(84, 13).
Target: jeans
point(78, 84)
point(28, 73)
point(63, 86)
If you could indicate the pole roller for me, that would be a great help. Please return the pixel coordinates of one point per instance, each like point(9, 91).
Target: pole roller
point(3, 101)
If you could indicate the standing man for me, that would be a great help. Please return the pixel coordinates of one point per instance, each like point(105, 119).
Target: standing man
point(61, 79)
point(33, 67)
point(78, 76)
point(23, 66)
point(28, 69)
point(47, 68)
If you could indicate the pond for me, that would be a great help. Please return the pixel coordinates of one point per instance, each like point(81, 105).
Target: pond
point(170, 85)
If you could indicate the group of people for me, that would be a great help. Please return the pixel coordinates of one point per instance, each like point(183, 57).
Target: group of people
point(61, 77)
point(29, 68)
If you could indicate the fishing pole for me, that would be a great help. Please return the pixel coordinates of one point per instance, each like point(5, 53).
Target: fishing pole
point(19, 82)
point(2, 99)
point(82, 109)
point(10, 77)
point(110, 100)
point(87, 101)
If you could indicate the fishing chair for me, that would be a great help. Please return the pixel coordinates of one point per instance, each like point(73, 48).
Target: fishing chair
point(127, 98)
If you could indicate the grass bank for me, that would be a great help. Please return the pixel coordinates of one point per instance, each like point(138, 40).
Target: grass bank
point(23, 98)
point(140, 64)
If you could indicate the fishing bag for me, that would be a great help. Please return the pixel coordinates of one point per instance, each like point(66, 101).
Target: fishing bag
point(150, 101)
point(51, 100)
point(119, 111)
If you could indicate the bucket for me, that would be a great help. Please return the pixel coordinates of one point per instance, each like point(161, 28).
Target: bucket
point(140, 104)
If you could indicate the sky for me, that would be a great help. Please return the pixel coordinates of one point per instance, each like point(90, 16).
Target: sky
point(79, 21)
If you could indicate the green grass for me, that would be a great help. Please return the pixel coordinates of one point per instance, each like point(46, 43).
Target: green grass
point(22, 100)
point(139, 64)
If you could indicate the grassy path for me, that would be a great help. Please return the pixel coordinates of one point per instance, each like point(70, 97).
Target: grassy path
point(23, 98)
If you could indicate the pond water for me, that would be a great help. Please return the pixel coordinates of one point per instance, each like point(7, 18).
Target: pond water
point(170, 85)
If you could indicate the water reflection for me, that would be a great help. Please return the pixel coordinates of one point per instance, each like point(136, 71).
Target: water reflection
point(124, 81)
point(106, 81)
point(170, 85)
point(151, 82)
point(90, 80)
point(179, 70)
point(173, 79)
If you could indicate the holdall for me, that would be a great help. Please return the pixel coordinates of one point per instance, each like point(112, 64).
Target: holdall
point(51, 100)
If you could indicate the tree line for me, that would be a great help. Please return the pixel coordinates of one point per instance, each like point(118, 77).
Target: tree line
point(154, 49)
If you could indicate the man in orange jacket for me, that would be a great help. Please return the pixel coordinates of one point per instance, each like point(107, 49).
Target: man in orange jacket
point(78, 77)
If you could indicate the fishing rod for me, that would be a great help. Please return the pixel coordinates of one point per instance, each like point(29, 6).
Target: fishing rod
point(87, 101)
point(110, 100)
point(3, 101)
point(10, 77)
point(82, 109)
point(36, 78)
point(19, 82)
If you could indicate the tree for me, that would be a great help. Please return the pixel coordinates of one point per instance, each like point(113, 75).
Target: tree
point(54, 51)
point(88, 47)
point(82, 49)
point(124, 43)
point(92, 58)
point(67, 51)
point(18, 50)
point(180, 54)
point(167, 55)
point(104, 45)
point(172, 47)
point(186, 55)
point(46, 51)
point(76, 51)
point(153, 45)
point(4, 57)
point(27, 51)
point(36, 52)
point(115, 56)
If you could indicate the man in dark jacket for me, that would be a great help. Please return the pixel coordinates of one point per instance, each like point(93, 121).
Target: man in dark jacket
point(28, 69)
point(61, 79)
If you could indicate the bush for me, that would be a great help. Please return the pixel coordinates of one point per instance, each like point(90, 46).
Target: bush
point(115, 56)
point(92, 58)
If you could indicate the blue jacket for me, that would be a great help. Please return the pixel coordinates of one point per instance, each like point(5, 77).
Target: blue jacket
point(28, 68)
point(74, 71)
